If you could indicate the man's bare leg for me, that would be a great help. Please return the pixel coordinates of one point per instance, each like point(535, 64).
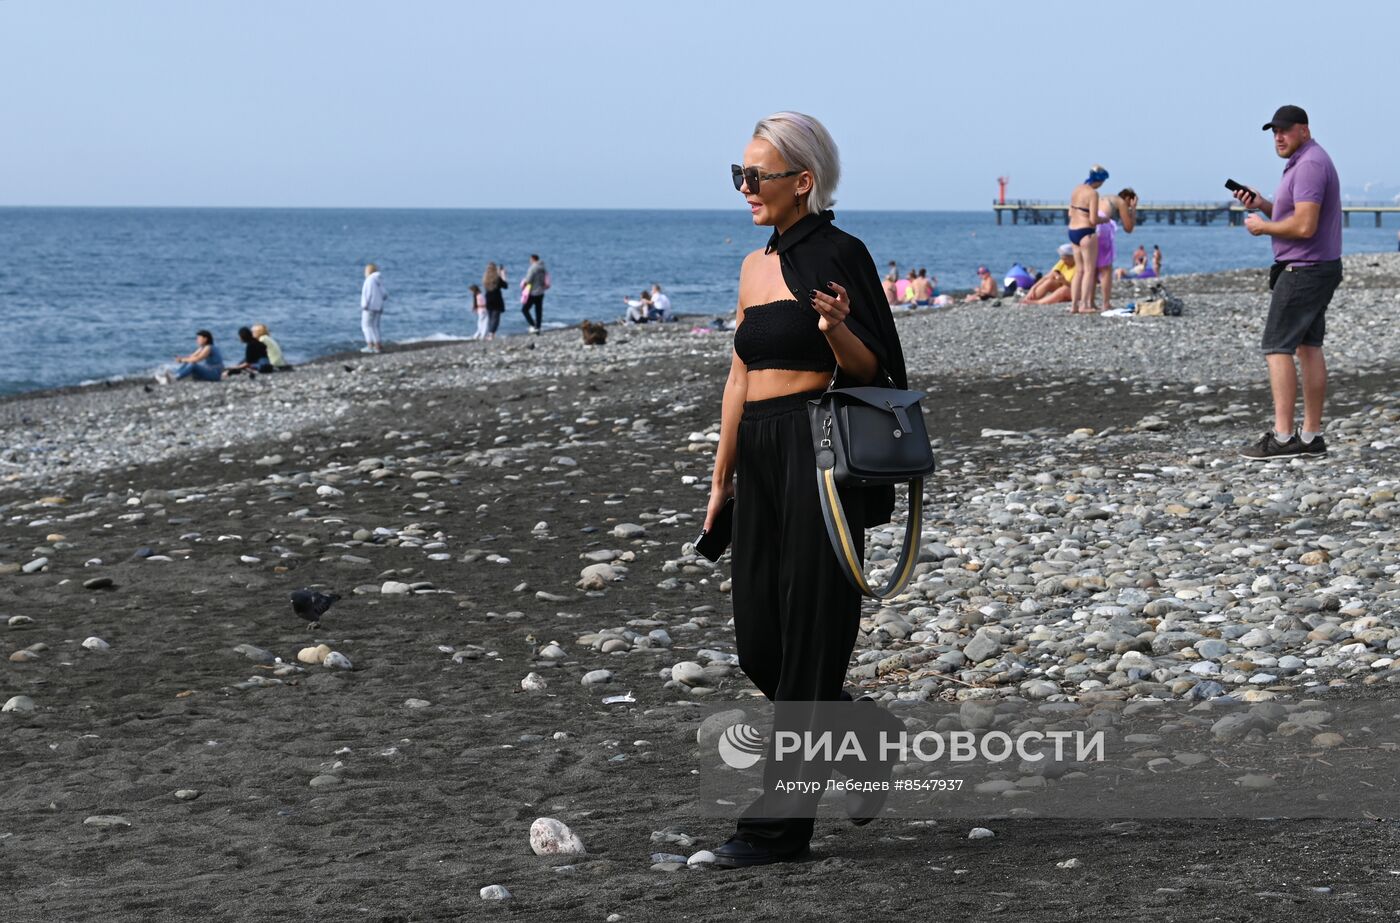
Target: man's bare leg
point(1283, 381)
point(1314, 368)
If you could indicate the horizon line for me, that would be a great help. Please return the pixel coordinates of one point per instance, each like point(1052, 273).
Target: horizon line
point(463, 208)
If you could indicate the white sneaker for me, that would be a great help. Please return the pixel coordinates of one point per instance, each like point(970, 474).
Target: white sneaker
point(367, 349)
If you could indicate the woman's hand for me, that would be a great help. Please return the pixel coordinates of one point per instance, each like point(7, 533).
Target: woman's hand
point(833, 310)
point(719, 493)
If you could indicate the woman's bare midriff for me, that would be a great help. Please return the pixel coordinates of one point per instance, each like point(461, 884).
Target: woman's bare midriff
point(766, 383)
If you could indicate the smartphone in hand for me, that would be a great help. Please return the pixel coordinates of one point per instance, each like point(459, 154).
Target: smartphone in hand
point(714, 540)
point(1237, 187)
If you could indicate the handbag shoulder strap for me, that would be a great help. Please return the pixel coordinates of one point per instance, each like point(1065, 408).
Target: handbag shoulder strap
point(838, 530)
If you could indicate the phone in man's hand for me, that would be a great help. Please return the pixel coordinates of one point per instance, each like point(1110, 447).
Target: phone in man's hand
point(1233, 186)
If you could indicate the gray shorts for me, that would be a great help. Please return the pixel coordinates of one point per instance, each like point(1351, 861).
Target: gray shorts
point(1298, 310)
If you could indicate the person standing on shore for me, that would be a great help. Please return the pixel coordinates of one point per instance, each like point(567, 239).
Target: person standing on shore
point(1157, 261)
point(536, 280)
point(492, 282)
point(811, 310)
point(1112, 209)
point(1305, 222)
point(1084, 220)
point(479, 309)
point(372, 297)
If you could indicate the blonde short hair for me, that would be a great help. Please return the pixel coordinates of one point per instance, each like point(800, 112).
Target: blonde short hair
point(805, 144)
point(260, 330)
point(371, 267)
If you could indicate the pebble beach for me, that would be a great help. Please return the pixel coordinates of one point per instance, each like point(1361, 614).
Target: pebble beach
point(508, 525)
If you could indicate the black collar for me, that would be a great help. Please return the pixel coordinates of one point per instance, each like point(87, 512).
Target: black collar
point(804, 226)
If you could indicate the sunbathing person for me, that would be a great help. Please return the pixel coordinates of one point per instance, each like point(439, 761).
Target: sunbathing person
point(1140, 269)
point(986, 287)
point(1054, 286)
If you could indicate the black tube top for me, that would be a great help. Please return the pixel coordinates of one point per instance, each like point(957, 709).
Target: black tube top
point(783, 335)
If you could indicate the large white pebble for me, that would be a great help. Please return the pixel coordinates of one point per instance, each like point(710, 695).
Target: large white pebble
point(338, 660)
point(317, 654)
point(96, 644)
point(533, 682)
point(689, 673)
point(495, 893)
point(20, 705)
point(550, 837)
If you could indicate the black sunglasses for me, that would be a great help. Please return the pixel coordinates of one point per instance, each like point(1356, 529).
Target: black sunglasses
point(752, 177)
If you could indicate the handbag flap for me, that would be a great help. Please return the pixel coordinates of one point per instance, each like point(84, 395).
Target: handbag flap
point(879, 397)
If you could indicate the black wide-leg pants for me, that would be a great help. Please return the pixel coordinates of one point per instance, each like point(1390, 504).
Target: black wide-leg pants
point(796, 615)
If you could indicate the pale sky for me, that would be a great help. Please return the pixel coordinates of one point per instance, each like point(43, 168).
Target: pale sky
point(430, 103)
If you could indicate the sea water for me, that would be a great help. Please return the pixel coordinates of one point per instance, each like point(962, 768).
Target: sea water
point(94, 294)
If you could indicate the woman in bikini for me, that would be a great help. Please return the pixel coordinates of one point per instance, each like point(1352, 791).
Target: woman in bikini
point(1084, 220)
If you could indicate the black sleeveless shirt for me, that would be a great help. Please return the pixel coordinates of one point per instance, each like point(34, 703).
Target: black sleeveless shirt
point(783, 335)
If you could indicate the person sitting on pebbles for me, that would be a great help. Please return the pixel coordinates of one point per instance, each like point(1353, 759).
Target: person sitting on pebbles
point(206, 363)
point(986, 286)
point(639, 310)
point(274, 349)
point(255, 358)
point(1054, 286)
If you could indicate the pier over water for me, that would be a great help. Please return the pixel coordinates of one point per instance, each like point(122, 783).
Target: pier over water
point(1031, 211)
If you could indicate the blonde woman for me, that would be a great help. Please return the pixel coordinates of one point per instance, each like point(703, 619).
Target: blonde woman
point(274, 349)
point(493, 281)
point(811, 307)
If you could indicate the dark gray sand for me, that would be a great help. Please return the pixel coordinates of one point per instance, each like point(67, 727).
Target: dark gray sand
point(416, 807)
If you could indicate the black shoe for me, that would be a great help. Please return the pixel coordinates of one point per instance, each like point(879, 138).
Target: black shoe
point(738, 854)
point(1269, 448)
point(1317, 447)
point(863, 807)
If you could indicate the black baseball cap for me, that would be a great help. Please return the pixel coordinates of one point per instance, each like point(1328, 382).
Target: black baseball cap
point(1286, 117)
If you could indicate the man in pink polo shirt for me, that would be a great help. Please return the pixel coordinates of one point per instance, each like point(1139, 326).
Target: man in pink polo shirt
point(1305, 222)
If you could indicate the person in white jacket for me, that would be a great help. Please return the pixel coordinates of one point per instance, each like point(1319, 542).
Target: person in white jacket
point(372, 297)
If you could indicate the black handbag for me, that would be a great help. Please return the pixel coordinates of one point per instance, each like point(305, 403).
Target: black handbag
point(868, 437)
